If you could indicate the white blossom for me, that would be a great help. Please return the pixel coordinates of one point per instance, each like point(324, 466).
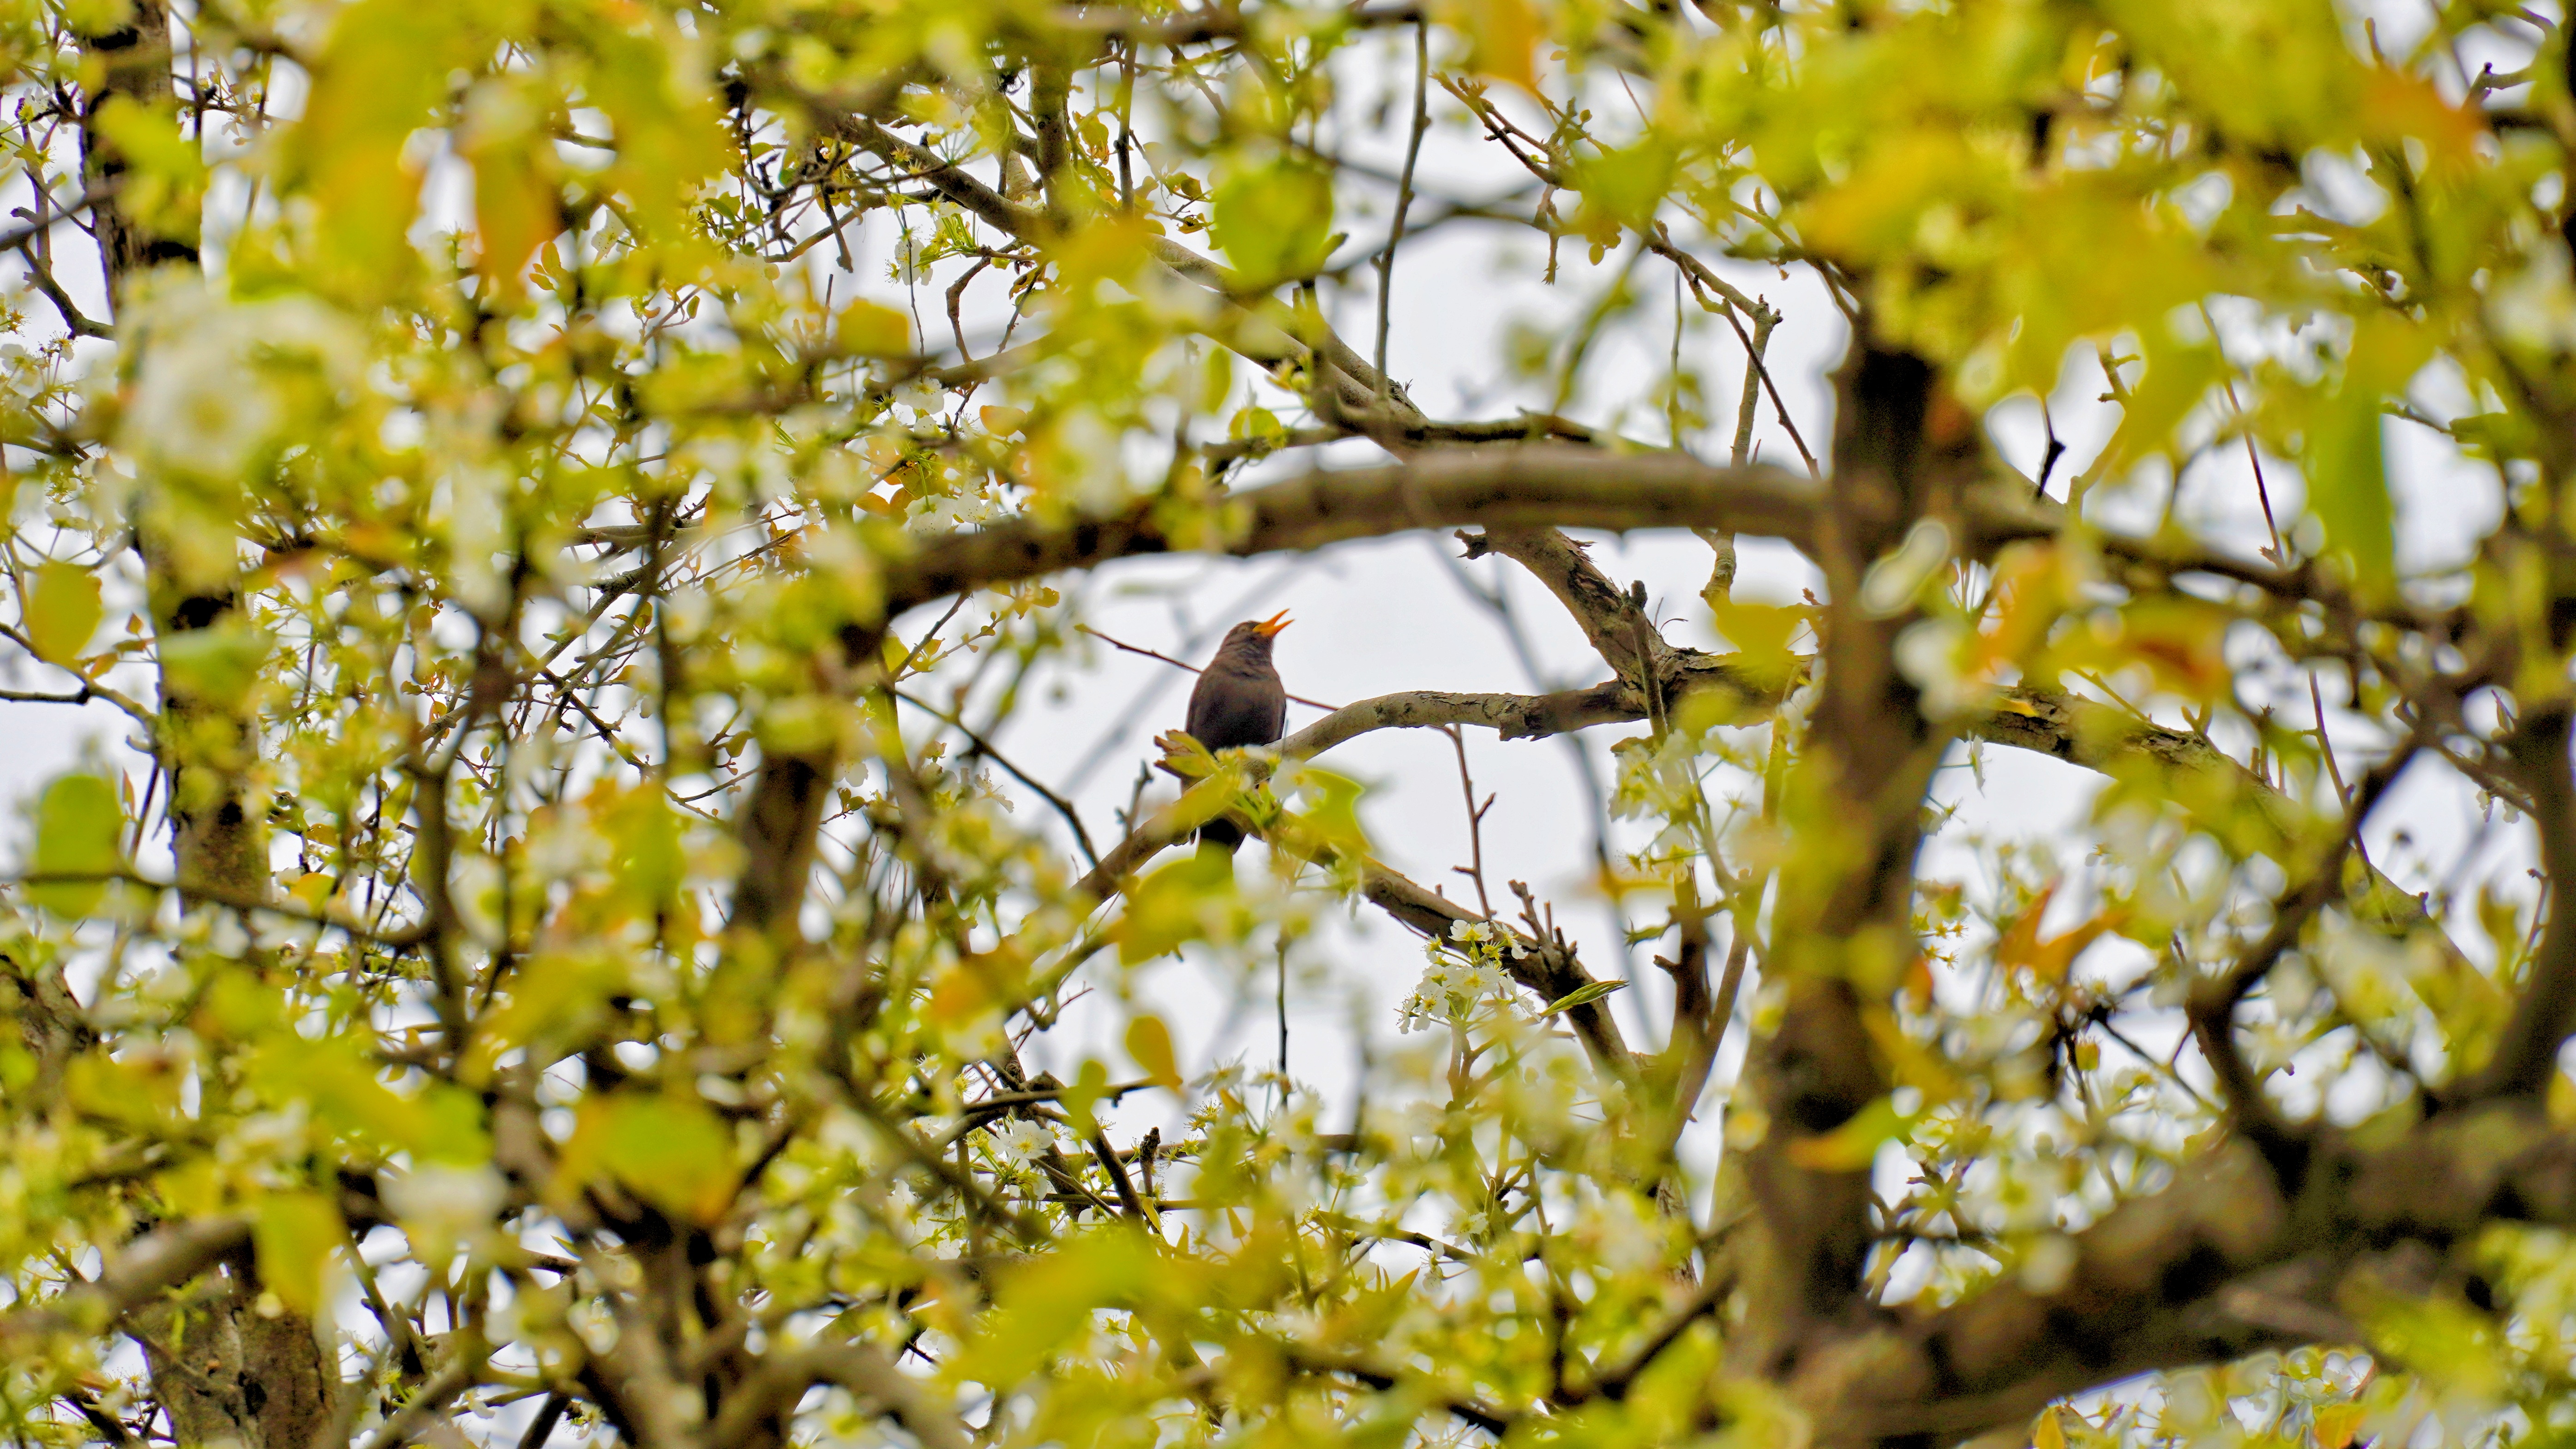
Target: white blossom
point(1018, 1144)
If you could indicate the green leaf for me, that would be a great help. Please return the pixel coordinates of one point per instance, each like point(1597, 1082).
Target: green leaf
point(2347, 470)
point(1583, 996)
point(62, 612)
point(80, 830)
point(218, 666)
point(337, 1081)
point(1175, 904)
point(1041, 1306)
point(2347, 459)
point(672, 1151)
point(1274, 222)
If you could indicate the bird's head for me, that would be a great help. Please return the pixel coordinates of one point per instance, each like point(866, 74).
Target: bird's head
point(1252, 636)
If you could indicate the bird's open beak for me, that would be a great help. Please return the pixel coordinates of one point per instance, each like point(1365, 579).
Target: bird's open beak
point(1270, 627)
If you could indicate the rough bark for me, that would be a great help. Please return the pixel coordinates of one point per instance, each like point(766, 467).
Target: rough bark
point(1506, 487)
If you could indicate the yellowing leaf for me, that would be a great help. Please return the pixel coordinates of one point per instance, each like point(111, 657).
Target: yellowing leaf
point(219, 666)
point(2021, 947)
point(1079, 1101)
point(1149, 1041)
point(1910, 1062)
point(164, 182)
point(376, 81)
point(294, 1235)
point(2046, 1432)
point(1626, 185)
point(338, 1084)
point(2346, 455)
point(517, 210)
point(2182, 640)
point(1324, 818)
point(2397, 105)
point(62, 611)
point(1761, 635)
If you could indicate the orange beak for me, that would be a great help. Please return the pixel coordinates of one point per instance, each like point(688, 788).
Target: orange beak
point(1271, 626)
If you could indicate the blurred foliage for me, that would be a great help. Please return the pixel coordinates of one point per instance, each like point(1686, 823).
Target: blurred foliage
point(469, 442)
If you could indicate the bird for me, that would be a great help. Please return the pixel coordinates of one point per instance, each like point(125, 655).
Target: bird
point(1239, 701)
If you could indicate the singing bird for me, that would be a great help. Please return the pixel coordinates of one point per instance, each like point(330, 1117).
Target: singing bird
point(1239, 701)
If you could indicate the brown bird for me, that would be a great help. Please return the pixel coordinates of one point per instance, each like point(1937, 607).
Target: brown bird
point(1239, 701)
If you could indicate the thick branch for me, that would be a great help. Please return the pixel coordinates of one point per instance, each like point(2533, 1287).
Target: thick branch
point(2195, 1273)
point(785, 1375)
point(1513, 716)
point(152, 1264)
point(1603, 610)
point(1519, 487)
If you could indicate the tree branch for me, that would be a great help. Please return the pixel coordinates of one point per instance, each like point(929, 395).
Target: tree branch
point(2191, 1274)
point(2526, 1056)
point(159, 1260)
point(1523, 487)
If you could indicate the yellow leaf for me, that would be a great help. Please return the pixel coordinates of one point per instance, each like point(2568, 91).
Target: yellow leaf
point(1150, 1043)
point(1502, 39)
point(62, 611)
point(1853, 1146)
point(2337, 1423)
point(2046, 1432)
point(871, 329)
point(294, 1235)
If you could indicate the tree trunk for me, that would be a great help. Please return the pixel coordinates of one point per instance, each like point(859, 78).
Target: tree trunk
point(226, 1372)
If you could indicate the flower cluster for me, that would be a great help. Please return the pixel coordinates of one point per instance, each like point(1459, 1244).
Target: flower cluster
point(1465, 980)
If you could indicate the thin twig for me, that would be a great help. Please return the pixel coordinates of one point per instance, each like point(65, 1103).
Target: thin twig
point(1475, 869)
point(984, 747)
point(1192, 668)
point(1404, 187)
